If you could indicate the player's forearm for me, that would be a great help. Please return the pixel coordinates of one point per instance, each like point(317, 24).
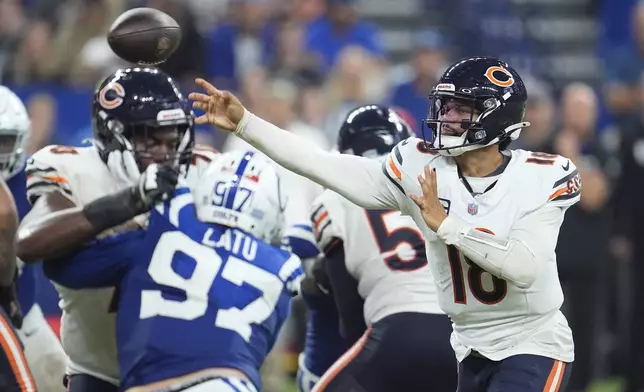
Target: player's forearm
point(356, 178)
point(510, 259)
point(55, 234)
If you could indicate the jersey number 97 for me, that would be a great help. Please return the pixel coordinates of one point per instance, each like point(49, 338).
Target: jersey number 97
point(197, 287)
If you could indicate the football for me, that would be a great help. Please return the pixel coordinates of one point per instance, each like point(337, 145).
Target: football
point(144, 36)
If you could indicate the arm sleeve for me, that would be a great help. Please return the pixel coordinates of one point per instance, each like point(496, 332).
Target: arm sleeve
point(359, 179)
point(519, 257)
point(103, 263)
point(348, 301)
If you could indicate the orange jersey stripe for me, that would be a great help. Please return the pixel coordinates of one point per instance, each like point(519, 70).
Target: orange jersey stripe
point(13, 350)
point(57, 179)
point(555, 377)
point(319, 220)
point(342, 362)
point(394, 169)
point(558, 193)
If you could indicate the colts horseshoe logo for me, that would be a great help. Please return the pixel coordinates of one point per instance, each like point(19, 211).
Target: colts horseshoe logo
point(113, 101)
point(506, 78)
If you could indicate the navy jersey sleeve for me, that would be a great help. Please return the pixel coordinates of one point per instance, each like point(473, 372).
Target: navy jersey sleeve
point(102, 263)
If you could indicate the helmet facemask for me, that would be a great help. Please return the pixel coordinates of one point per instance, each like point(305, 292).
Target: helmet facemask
point(147, 139)
point(471, 130)
point(12, 150)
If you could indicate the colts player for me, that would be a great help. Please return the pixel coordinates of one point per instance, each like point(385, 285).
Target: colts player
point(203, 292)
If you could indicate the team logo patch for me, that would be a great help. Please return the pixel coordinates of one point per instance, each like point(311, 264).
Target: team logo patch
point(111, 96)
point(499, 76)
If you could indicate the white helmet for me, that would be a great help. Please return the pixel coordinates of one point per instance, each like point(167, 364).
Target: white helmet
point(14, 130)
point(243, 190)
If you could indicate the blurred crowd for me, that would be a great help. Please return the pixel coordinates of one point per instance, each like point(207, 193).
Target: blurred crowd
point(303, 64)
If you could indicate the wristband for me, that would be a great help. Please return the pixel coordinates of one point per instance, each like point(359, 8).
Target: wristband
point(109, 211)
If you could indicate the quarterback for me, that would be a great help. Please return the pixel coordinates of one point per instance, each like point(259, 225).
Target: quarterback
point(490, 217)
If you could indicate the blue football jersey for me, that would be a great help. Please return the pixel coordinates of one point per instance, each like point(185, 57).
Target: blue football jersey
point(192, 295)
point(323, 344)
point(26, 284)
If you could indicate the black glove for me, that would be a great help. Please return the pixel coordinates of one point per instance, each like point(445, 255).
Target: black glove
point(318, 270)
point(155, 184)
point(9, 303)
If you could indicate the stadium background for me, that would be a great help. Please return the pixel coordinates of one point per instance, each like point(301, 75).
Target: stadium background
point(582, 61)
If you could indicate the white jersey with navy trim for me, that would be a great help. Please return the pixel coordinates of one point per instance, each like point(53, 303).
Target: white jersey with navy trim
point(87, 324)
point(513, 312)
point(383, 250)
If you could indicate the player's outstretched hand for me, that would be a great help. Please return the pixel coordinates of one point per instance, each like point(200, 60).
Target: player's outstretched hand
point(156, 183)
point(221, 108)
point(430, 207)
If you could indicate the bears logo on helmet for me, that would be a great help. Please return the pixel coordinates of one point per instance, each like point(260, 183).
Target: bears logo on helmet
point(111, 96)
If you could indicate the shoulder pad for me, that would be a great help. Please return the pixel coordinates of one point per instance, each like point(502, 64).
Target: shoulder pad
point(326, 220)
point(405, 161)
point(560, 178)
point(45, 171)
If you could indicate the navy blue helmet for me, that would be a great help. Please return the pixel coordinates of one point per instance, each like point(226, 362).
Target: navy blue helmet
point(372, 130)
point(139, 102)
point(494, 95)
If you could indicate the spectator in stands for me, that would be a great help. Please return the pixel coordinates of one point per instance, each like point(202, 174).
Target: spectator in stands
point(42, 113)
point(306, 11)
point(540, 113)
point(356, 80)
point(312, 104)
point(338, 29)
point(427, 63)
point(27, 63)
point(91, 20)
point(288, 56)
point(628, 245)
point(188, 60)
point(240, 43)
point(623, 68)
point(12, 25)
point(582, 250)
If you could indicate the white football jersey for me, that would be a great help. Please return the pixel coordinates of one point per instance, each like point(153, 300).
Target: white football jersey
point(88, 323)
point(491, 315)
point(384, 252)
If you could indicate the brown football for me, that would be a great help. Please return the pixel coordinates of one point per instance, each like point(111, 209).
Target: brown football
point(144, 36)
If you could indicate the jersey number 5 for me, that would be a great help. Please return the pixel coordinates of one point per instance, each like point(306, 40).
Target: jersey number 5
point(197, 286)
point(401, 244)
point(475, 280)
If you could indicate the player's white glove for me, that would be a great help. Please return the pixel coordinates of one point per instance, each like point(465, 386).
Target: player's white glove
point(156, 183)
point(122, 164)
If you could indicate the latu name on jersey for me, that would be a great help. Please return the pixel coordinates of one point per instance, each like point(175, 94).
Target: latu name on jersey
point(193, 295)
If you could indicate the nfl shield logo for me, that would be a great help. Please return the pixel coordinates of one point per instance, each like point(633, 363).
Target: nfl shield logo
point(472, 208)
